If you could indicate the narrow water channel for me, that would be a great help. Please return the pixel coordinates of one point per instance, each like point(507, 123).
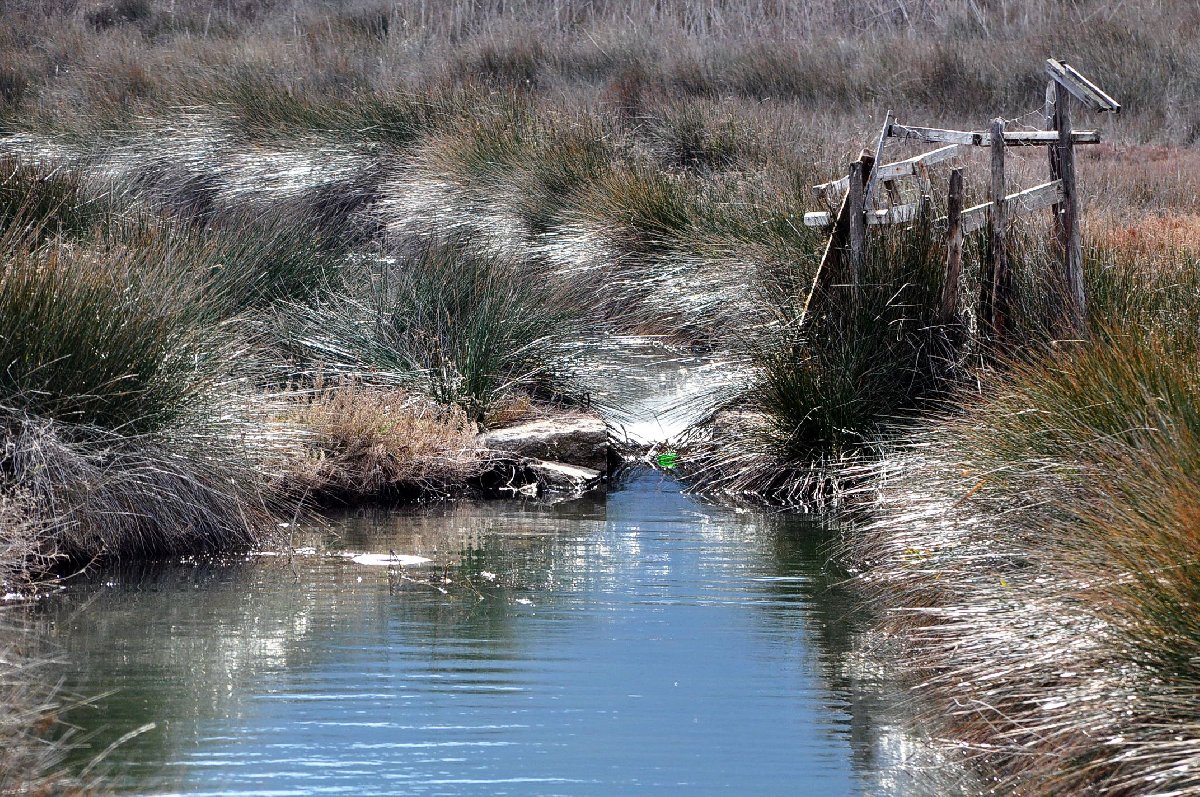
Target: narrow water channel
point(638, 644)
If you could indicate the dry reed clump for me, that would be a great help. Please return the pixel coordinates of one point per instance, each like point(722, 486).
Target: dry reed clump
point(97, 67)
point(372, 441)
point(114, 496)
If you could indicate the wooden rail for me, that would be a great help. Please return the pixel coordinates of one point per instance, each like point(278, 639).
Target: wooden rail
point(1022, 202)
point(909, 167)
point(973, 218)
point(1080, 87)
point(1016, 138)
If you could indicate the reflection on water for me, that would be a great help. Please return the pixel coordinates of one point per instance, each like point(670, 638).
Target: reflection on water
point(643, 644)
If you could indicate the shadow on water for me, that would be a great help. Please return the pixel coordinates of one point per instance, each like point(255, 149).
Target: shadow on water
point(641, 644)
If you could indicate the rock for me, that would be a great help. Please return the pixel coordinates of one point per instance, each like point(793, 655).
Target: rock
point(580, 440)
point(557, 477)
point(510, 476)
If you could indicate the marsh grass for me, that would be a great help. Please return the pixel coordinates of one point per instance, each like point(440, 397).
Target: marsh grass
point(969, 59)
point(92, 338)
point(49, 201)
point(122, 330)
point(448, 320)
point(822, 394)
point(1021, 552)
point(1039, 537)
point(252, 260)
point(263, 109)
point(539, 159)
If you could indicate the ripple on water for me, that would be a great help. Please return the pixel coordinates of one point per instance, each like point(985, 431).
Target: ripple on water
point(664, 647)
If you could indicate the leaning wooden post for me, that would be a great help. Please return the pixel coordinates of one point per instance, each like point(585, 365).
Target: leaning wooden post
point(994, 298)
point(954, 247)
point(858, 230)
point(832, 261)
point(1067, 214)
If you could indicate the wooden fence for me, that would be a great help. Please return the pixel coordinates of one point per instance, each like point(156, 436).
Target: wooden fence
point(870, 195)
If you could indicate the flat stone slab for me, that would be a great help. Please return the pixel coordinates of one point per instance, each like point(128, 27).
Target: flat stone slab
point(557, 477)
point(580, 440)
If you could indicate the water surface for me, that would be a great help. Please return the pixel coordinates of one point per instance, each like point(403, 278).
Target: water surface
point(643, 644)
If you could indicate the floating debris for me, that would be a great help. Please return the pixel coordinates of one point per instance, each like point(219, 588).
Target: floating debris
point(387, 559)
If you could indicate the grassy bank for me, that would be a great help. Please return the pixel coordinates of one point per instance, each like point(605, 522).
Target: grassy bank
point(1036, 541)
point(253, 255)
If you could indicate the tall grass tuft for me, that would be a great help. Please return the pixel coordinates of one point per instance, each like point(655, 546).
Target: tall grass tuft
point(99, 335)
point(823, 393)
point(452, 322)
point(49, 200)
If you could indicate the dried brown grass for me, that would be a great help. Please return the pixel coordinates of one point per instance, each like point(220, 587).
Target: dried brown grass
point(368, 441)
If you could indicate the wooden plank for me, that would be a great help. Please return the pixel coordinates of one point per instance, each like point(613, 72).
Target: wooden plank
point(933, 135)
point(897, 214)
point(1036, 198)
point(1022, 202)
point(869, 200)
point(1026, 138)
point(1080, 87)
point(982, 139)
point(954, 249)
point(892, 171)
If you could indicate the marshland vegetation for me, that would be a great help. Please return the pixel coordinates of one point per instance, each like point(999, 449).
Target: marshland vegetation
point(253, 253)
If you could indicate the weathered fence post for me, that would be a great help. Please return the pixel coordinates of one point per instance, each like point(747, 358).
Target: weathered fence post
point(996, 283)
point(954, 247)
point(858, 230)
point(1066, 215)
